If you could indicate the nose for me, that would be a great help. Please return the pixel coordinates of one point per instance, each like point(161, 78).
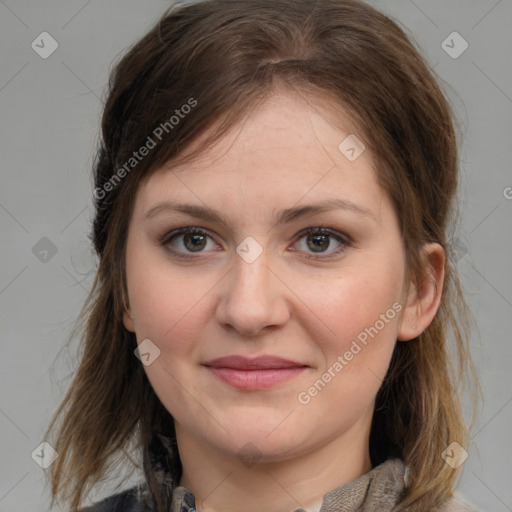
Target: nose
point(253, 298)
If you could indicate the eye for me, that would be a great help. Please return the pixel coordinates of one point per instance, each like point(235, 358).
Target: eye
point(185, 241)
point(319, 240)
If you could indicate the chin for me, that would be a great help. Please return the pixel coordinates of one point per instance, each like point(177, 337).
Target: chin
point(255, 438)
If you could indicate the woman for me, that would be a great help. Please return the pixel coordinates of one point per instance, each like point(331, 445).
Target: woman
point(269, 325)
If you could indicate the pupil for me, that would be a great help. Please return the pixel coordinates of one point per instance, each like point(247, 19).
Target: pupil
point(198, 242)
point(320, 241)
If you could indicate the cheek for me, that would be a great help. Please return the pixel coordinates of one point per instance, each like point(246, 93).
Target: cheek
point(170, 306)
point(353, 323)
point(343, 307)
point(170, 310)
point(356, 350)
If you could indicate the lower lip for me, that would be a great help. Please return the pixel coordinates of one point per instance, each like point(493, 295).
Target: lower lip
point(256, 379)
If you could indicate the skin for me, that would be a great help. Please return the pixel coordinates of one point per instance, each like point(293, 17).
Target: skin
point(285, 303)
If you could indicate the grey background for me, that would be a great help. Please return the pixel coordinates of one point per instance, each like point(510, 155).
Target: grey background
point(50, 111)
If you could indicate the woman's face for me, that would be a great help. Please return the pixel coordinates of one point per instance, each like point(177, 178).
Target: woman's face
point(255, 330)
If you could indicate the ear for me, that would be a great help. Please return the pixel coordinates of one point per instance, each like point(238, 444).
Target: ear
point(128, 320)
point(424, 296)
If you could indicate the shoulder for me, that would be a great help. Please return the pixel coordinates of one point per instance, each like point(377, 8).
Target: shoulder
point(456, 504)
point(130, 500)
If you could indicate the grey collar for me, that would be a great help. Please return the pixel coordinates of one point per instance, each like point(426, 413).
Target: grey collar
point(379, 490)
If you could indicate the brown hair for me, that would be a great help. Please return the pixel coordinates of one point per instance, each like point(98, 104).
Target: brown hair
point(223, 57)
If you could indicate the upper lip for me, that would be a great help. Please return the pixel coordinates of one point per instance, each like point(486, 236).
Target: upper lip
point(252, 363)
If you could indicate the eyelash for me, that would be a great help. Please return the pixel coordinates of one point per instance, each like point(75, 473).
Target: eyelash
point(344, 241)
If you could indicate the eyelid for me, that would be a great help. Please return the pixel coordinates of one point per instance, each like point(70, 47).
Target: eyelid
point(324, 230)
point(169, 235)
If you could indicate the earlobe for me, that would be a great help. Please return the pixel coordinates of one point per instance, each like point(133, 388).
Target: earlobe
point(128, 317)
point(424, 296)
point(128, 320)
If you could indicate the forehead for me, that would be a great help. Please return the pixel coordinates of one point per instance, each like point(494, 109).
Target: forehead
point(286, 119)
point(290, 147)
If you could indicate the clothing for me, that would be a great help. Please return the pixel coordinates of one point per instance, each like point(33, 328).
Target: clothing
point(379, 490)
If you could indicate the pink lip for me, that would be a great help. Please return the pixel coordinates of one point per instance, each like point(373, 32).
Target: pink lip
point(254, 373)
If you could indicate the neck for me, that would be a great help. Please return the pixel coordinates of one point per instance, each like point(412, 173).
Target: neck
point(222, 482)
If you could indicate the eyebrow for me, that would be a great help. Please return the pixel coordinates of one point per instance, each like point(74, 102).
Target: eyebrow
point(285, 216)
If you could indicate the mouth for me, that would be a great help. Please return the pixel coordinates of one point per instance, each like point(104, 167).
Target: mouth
point(254, 373)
